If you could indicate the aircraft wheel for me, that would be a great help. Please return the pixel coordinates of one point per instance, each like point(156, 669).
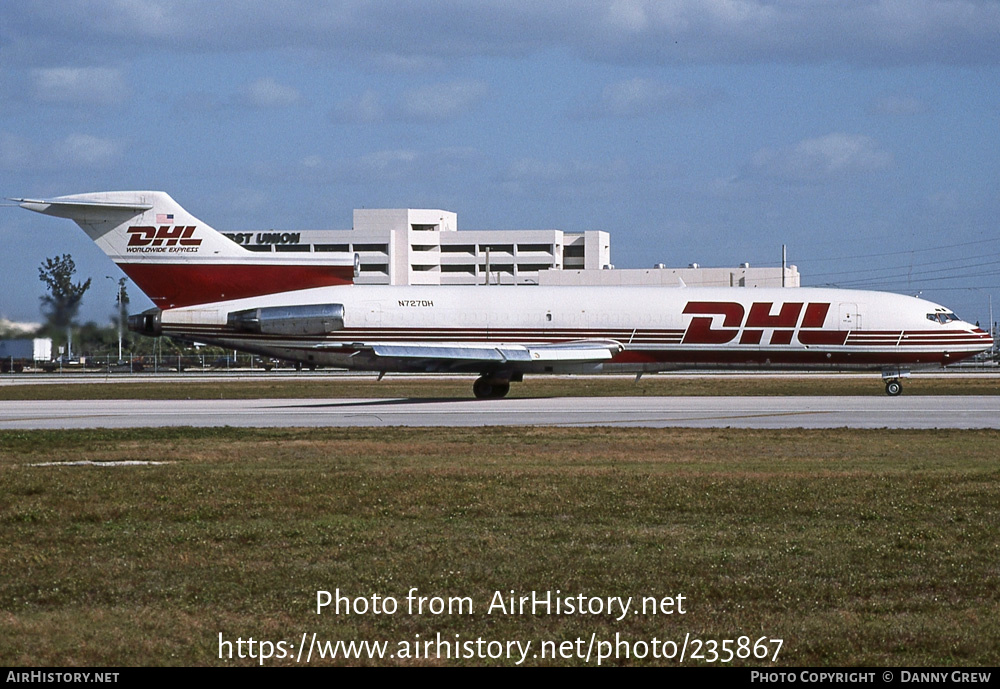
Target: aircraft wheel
point(486, 388)
point(482, 388)
point(893, 388)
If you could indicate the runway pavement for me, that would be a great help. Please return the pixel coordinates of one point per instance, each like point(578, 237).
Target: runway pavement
point(696, 412)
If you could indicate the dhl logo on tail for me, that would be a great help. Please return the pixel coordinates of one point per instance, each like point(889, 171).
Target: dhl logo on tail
point(165, 235)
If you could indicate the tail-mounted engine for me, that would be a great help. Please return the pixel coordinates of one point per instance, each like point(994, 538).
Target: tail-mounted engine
point(307, 319)
point(146, 323)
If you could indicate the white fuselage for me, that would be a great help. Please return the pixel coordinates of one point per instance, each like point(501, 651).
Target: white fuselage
point(658, 328)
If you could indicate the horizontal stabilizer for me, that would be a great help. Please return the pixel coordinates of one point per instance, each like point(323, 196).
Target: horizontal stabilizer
point(79, 208)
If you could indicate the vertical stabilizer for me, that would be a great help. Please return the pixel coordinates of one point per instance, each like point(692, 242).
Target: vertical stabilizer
point(131, 225)
point(176, 259)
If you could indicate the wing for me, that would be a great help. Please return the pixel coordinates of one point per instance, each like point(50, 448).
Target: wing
point(478, 356)
point(323, 320)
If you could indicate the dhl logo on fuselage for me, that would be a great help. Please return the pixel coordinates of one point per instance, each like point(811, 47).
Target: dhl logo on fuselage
point(148, 238)
point(751, 326)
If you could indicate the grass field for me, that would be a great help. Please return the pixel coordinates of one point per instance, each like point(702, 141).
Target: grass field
point(868, 548)
point(239, 387)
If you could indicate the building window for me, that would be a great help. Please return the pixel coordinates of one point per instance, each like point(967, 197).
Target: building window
point(497, 268)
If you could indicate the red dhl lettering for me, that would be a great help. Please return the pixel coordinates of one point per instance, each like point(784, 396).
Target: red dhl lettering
point(750, 327)
point(700, 331)
point(165, 235)
point(760, 316)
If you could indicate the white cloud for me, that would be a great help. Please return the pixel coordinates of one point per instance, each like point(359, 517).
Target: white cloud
point(947, 201)
point(898, 104)
point(444, 101)
point(405, 167)
point(833, 156)
point(368, 167)
point(434, 102)
point(565, 177)
point(392, 62)
point(74, 151)
point(387, 163)
point(435, 31)
point(364, 109)
point(870, 32)
point(268, 93)
point(79, 85)
point(638, 97)
point(88, 151)
point(627, 16)
point(535, 170)
point(13, 151)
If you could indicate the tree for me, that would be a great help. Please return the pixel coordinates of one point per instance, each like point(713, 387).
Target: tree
point(63, 301)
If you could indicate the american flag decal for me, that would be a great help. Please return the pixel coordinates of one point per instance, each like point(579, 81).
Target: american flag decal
point(164, 217)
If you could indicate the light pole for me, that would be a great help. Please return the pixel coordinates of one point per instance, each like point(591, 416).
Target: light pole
point(121, 311)
point(992, 327)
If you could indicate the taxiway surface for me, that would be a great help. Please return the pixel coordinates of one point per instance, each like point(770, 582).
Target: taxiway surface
point(694, 412)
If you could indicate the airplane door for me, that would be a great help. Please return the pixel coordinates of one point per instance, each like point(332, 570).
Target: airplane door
point(850, 319)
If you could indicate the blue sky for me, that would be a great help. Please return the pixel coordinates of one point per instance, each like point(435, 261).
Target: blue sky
point(865, 135)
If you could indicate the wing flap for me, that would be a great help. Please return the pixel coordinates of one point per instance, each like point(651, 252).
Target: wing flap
point(449, 351)
point(582, 351)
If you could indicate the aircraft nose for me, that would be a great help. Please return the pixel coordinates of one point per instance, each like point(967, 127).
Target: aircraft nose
point(985, 337)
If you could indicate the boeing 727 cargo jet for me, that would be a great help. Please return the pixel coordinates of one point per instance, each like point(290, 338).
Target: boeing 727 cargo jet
point(305, 308)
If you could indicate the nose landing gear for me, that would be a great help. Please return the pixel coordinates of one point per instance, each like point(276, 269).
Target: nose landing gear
point(893, 384)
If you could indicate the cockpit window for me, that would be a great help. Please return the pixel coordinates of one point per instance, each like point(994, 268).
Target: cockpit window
point(942, 317)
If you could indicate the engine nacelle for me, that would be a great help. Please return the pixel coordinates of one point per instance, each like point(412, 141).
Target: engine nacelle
point(147, 323)
point(306, 319)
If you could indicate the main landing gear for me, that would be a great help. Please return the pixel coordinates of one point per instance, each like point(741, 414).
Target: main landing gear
point(486, 387)
point(893, 385)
